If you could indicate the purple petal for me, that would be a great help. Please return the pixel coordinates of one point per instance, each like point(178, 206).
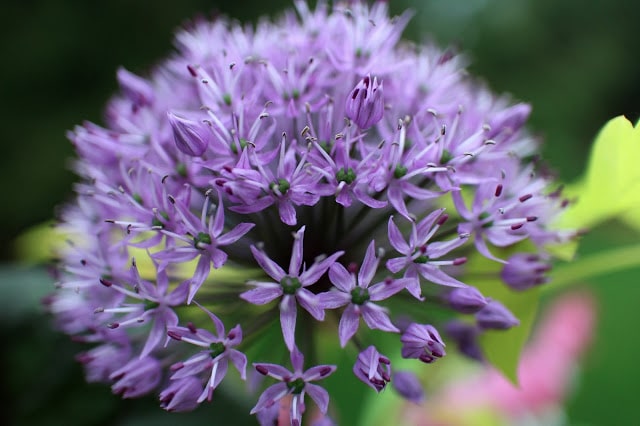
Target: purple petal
point(218, 258)
point(396, 264)
point(297, 360)
point(263, 294)
point(235, 234)
point(333, 299)
point(385, 289)
point(159, 331)
point(276, 371)
point(288, 313)
point(296, 253)
point(287, 213)
point(216, 227)
point(317, 270)
point(268, 265)
point(311, 303)
point(318, 372)
point(341, 278)
point(368, 267)
point(270, 396)
point(348, 324)
point(199, 276)
point(396, 198)
point(435, 275)
point(319, 395)
point(396, 239)
point(239, 360)
point(377, 318)
point(424, 226)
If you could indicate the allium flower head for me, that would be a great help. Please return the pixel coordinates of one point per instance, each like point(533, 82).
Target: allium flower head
point(263, 179)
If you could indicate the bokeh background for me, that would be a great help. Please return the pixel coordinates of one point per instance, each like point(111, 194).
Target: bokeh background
point(575, 61)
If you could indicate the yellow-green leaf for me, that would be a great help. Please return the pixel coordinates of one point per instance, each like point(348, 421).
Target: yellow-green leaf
point(611, 185)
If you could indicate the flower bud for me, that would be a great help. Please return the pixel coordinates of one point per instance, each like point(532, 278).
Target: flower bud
point(136, 378)
point(192, 137)
point(408, 386)
point(365, 104)
point(373, 369)
point(466, 338)
point(524, 271)
point(496, 316)
point(181, 394)
point(466, 300)
point(423, 342)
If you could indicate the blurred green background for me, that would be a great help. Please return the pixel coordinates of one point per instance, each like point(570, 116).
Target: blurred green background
point(575, 61)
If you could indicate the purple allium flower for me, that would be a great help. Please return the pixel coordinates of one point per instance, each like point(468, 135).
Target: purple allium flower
point(296, 384)
point(423, 342)
point(373, 368)
point(266, 164)
point(420, 254)
point(214, 359)
point(290, 286)
point(357, 292)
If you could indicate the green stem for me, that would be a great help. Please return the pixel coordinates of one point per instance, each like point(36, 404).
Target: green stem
point(593, 265)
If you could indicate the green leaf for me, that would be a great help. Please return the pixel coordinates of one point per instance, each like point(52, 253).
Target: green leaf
point(611, 185)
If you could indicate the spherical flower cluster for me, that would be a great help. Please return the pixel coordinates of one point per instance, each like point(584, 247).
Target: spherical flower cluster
point(312, 173)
